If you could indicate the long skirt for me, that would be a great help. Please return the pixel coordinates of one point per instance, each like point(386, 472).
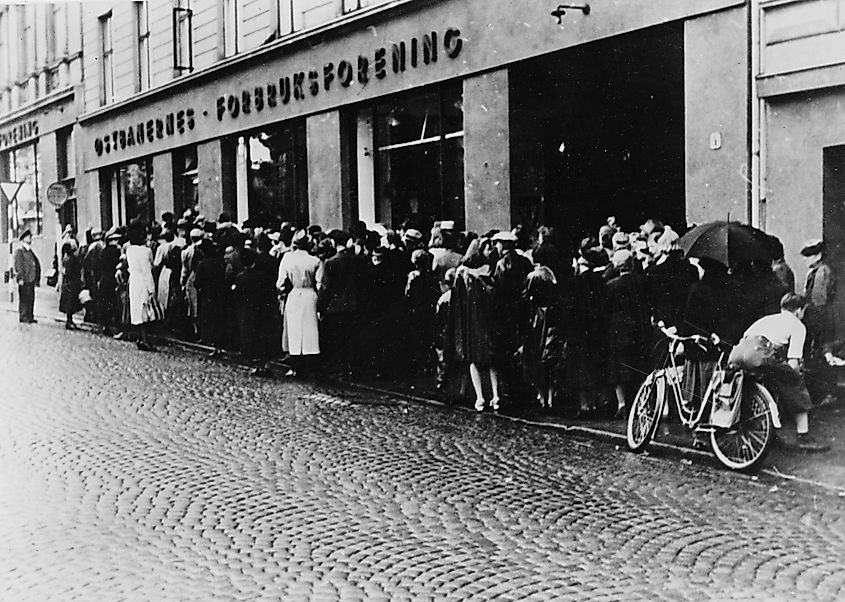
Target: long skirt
point(163, 289)
point(301, 332)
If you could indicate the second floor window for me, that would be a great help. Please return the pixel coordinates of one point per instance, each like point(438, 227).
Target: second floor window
point(142, 48)
point(231, 43)
point(106, 62)
point(183, 59)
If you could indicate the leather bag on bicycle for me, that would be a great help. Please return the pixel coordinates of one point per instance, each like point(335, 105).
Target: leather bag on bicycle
point(727, 398)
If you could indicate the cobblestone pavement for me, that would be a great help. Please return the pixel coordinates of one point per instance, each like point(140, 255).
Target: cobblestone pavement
point(137, 476)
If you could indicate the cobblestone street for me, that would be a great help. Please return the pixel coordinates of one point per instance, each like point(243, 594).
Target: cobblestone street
point(167, 476)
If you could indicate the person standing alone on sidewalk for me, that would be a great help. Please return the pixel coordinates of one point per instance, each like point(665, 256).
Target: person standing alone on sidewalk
point(28, 276)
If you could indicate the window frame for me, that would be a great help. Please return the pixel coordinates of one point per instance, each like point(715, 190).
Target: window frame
point(143, 80)
point(106, 58)
point(186, 19)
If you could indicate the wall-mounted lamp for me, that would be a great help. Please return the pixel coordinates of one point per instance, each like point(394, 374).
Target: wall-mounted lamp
point(562, 8)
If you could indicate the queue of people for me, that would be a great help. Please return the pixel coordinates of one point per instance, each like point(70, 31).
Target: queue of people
point(485, 318)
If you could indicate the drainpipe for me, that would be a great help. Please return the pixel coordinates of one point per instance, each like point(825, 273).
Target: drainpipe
point(756, 158)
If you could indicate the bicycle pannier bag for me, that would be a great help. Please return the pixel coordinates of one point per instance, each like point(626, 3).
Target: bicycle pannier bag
point(752, 353)
point(724, 412)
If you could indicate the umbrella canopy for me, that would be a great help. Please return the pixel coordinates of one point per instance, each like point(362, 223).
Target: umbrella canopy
point(729, 243)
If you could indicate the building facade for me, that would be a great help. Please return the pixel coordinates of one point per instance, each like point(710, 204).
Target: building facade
point(487, 112)
point(801, 94)
point(41, 76)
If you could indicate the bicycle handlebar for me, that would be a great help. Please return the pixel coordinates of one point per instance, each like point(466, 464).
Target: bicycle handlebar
point(671, 333)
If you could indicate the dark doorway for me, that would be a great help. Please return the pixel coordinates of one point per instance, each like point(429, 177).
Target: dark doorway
point(598, 130)
point(833, 225)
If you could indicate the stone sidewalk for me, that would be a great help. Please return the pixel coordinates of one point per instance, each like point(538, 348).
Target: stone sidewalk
point(828, 423)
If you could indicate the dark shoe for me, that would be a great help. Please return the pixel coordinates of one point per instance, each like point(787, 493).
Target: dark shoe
point(71, 326)
point(142, 346)
point(215, 353)
point(806, 443)
point(620, 414)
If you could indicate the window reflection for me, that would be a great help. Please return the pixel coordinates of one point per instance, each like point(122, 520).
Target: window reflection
point(278, 187)
point(24, 212)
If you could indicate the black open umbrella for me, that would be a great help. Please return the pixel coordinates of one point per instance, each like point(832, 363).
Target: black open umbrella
point(729, 243)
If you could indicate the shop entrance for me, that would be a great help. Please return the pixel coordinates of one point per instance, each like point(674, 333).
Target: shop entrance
point(598, 130)
point(833, 226)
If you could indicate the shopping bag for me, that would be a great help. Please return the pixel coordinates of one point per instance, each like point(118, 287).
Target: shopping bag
point(727, 400)
point(84, 296)
point(152, 310)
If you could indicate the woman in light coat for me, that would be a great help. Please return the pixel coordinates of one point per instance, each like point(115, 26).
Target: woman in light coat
point(142, 288)
point(298, 278)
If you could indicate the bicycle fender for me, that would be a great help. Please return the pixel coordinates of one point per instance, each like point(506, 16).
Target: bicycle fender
point(773, 406)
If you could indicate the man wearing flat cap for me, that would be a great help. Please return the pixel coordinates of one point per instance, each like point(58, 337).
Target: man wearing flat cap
point(28, 275)
point(819, 291)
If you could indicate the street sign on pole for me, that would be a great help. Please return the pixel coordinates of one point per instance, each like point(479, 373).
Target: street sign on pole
point(57, 194)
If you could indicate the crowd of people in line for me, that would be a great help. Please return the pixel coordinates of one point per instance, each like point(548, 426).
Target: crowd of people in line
point(481, 316)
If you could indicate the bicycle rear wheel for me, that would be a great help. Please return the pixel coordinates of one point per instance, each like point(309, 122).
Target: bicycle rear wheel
point(644, 414)
point(745, 445)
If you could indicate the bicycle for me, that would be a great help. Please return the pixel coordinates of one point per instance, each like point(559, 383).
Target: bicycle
point(739, 442)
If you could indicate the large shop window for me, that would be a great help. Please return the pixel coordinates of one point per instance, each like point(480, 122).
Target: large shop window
point(420, 157)
point(24, 212)
point(278, 174)
point(134, 187)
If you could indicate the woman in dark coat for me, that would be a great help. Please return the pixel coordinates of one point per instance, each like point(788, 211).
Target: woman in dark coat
point(544, 347)
point(628, 327)
point(71, 285)
point(474, 319)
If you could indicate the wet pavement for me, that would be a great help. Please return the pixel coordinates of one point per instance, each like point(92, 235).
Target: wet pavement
point(166, 476)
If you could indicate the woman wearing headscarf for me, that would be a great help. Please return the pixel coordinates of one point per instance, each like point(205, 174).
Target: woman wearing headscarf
point(71, 284)
point(298, 279)
point(474, 319)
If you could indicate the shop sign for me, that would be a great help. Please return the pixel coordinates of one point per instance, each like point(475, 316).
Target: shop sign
point(170, 125)
point(383, 62)
point(18, 134)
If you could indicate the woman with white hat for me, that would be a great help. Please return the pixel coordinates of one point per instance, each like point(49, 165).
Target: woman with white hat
point(298, 279)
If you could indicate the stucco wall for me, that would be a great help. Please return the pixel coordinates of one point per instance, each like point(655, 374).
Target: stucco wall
point(715, 93)
point(799, 127)
point(324, 170)
point(487, 180)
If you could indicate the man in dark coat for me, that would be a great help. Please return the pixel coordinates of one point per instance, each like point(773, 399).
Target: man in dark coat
point(255, 302)
point(819, 291)
point(509, 278)
point(338, 301)
point(91, 272)
point(28, 276)
point(108, 299)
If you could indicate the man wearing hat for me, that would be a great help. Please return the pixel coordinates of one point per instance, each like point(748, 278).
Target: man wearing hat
point(819, 291)
point(107, 296)
point(509, 280)
point(28, 276)
point(91, 272)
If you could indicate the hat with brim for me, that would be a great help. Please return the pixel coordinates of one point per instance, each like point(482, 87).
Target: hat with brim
point(447, 225)
point(25, 234)
point(412, 233)
point(275, 236)
point(196, 234)
point(812, 247)
point(113, 233)
point(504, 237)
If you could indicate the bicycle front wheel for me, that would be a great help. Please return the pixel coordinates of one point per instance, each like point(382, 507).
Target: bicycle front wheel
point(644, 414)
point(744, 445)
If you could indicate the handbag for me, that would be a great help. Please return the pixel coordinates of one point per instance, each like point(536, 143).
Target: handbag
point(53, 277)
point(752, 353)
point(152, 310)
point(84, 296)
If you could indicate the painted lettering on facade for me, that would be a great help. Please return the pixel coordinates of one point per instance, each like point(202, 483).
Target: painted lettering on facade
point(150, 130)
point(298, 86)
point(18, 134)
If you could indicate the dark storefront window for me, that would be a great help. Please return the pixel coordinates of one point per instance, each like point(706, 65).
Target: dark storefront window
point(278, 174)
point(24, 212)
point(420, 156)
point(186, 179)
point(65, 170)
point(135, 192)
